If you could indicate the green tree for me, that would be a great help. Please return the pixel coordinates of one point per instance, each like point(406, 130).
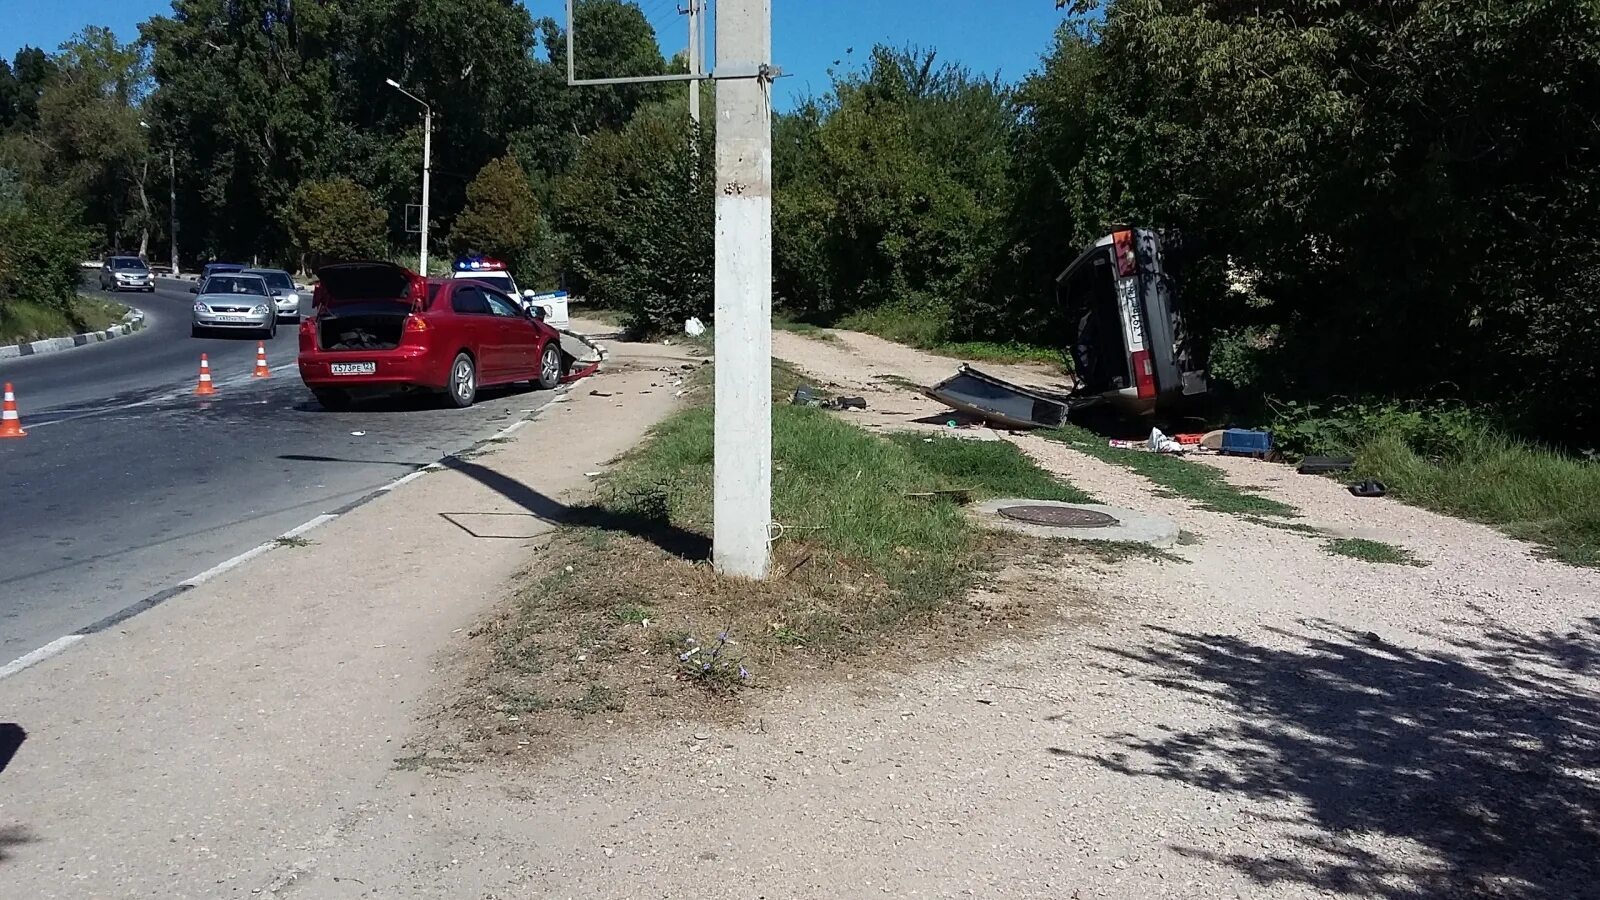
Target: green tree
point(636, 213)
point(892, 189)
point(89, 141)
point(501, 217)
point(334, 220)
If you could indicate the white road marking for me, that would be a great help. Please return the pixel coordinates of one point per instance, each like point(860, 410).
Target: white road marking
point(62, 643)
point(39, 655)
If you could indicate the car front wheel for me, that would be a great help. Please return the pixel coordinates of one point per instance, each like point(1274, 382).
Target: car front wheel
point(549, 366)
point(463, 388)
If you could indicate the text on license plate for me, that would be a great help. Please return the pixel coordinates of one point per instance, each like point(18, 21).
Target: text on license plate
point(359, 368)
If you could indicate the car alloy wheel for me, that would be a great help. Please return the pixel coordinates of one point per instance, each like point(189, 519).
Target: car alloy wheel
point(463, 381)
point(550, 366)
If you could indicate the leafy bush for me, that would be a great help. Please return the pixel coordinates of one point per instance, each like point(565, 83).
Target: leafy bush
point(891, 192)
point(41, 247)
point(334, 220)
point(1431, 429)
point(637, 214)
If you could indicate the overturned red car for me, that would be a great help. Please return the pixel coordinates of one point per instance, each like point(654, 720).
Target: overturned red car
point(377, 327)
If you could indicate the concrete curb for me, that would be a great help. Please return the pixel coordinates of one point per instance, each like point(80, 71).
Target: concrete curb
point(132, 321)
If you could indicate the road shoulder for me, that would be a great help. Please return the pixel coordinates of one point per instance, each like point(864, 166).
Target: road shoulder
point(228, 733)
point(132, 323)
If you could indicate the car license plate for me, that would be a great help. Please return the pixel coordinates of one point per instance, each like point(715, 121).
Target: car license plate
point(360, 368)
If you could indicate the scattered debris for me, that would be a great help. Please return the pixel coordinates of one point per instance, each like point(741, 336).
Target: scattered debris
point(358, 434)
point(806, 396)
point(1369, 488)
point(693, 327)
point(999, 401)
point(1246, 442)
point(601, 394)
point(1160, 443)
point(1323, 465)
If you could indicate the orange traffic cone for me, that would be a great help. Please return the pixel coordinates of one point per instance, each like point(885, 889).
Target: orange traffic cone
point(261, 362)
point(204, 389)
point(10, 425)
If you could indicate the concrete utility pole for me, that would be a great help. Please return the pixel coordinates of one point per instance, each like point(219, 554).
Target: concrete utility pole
point(427, 170)
point(697, 36)
point(742, 504)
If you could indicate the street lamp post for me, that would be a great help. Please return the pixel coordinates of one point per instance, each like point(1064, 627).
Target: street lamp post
point(427, 166)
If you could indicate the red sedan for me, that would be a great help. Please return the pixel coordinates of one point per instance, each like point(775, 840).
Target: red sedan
point(378, 327)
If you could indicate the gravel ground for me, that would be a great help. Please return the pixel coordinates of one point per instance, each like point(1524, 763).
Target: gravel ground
point(1261, 719)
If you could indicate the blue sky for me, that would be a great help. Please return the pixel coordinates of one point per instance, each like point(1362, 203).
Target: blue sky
point(1004, 36)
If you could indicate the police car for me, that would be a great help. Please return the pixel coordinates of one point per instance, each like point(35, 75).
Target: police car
point(483, 268)
point(498, 274)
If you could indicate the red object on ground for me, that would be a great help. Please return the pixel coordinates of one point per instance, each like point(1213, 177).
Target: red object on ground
point(584, 372)
point(10, 422)
point(378, 326)
point(1188, 438)
point(205, 388)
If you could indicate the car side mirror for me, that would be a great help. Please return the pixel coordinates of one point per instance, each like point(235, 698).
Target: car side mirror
point(536, 313)
point(195, 289)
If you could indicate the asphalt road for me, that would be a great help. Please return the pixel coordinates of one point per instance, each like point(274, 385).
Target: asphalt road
point(128, 484)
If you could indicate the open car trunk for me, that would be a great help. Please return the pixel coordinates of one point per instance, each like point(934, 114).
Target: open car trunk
point(363, 305)
point(375, 325)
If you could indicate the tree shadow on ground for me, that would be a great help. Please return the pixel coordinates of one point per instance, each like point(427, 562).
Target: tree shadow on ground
point(1484, 756)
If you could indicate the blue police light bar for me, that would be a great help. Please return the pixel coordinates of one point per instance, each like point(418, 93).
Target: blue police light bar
point(479, 264)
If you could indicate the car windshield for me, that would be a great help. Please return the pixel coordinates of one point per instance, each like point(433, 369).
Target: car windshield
point(235, 284)
point(127, 262)
point(277, 280)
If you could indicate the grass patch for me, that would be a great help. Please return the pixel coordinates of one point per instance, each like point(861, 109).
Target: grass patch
point(924, 331)
point(994, 468)
point(23, 320)
point(1527, 491)
point(290, 542)
point(1281, 525)
point(637, 627)
point(804, 329)
point(1372, 552)
point(1196, 482)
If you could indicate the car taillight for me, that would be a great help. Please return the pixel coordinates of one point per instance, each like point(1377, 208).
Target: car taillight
point(1144, 375)
point(1122, 248)
point(415, 324)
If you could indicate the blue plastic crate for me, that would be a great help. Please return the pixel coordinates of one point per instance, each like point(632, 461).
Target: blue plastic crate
point(1244, 442)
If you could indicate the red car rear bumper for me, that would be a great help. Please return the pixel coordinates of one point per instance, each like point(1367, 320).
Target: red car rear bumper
point(403, 367)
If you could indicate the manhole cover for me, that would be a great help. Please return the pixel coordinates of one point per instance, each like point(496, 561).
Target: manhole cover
point(1059, 516)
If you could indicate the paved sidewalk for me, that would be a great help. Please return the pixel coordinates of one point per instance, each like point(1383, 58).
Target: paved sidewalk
point(214, 745)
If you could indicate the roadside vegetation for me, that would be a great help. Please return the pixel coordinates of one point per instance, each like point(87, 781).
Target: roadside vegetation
point(1378, 552)
point(872, 556)
point(1175, 476)
point(30, 320)
point(1529, 492)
